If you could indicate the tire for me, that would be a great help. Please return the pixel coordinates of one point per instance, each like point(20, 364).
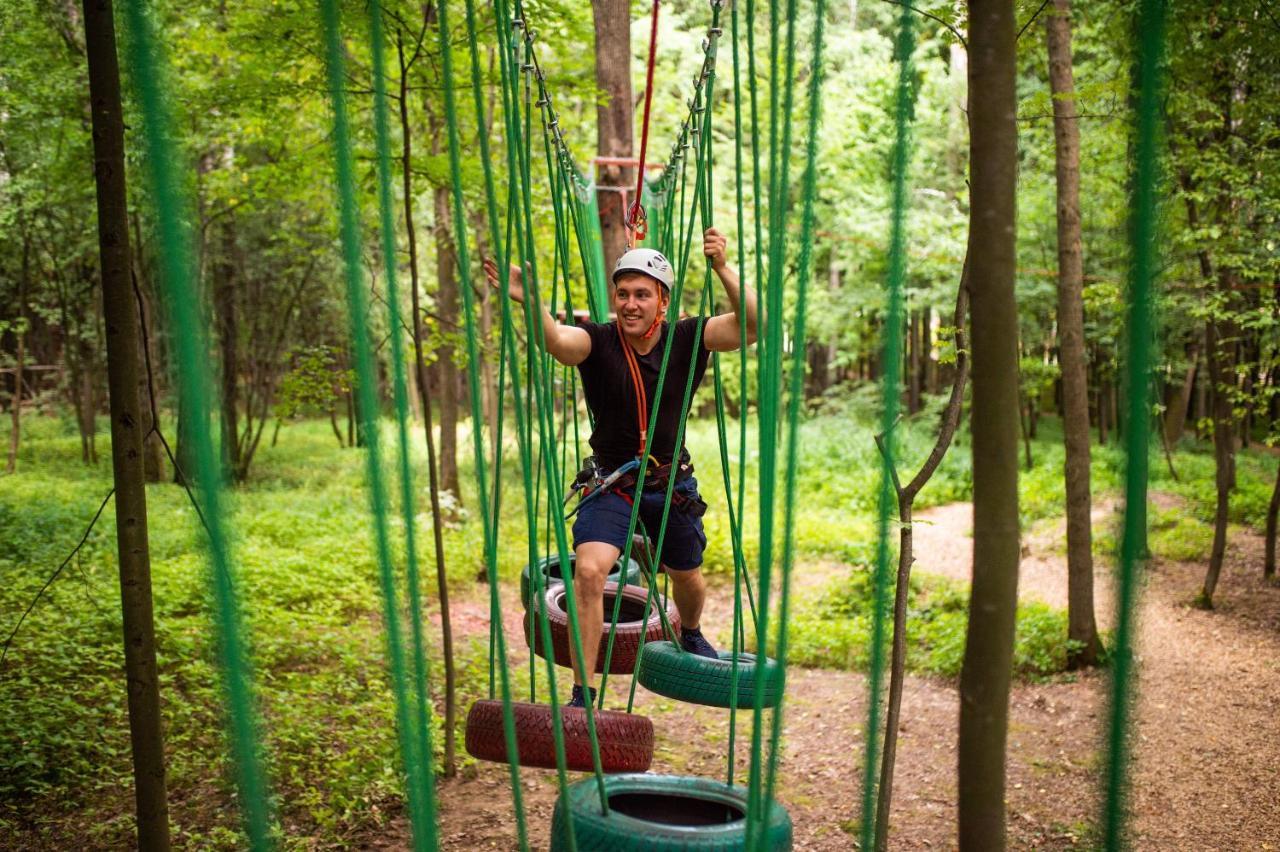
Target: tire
point(551, 575)
point(662, 813)
point(670, 671)
point(626, 739)
point(627, 641)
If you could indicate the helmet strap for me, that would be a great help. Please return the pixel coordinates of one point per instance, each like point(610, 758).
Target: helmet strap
point(657, 320)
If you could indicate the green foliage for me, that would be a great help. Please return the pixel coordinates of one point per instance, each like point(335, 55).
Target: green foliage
point(836, 632)
point(313, 384)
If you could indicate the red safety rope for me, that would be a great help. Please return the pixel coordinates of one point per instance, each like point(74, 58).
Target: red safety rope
point(636, 229)
point(637, 385)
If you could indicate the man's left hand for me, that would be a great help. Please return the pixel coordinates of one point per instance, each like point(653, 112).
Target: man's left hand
point(713, 246)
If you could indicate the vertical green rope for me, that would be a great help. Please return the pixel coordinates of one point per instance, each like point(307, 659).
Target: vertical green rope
point(425, 836)
point(1143, 266)
point(178, 274)
point(891, 365)
point(366, 388)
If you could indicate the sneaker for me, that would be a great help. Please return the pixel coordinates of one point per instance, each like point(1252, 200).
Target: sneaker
point(695, 643)
point(579, 698)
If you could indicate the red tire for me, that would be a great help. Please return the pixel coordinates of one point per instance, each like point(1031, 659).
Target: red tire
point(627, 641)
point(626, 739)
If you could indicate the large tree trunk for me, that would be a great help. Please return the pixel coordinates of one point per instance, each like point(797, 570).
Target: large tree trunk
point(1081, 626)
point(141, 675)
point(447, 296)
point(988, 656)
point(424, 396)
point(614, 118)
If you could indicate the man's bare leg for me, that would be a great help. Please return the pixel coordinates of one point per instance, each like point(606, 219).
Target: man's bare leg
point(689, 589)
point(594, 559)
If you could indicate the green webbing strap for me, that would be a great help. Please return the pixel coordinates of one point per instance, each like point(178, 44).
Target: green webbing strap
point(178, 274)
point(425, 834)
point(890, 391)
point(366, 385)
point(1143, 268)
point(808, 192)
point(473, 386)
point(770, 391)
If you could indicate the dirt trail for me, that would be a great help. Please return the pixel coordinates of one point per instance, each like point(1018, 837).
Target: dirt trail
point(1207, 770)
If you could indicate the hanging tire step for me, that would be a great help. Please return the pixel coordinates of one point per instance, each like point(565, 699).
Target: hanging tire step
point(675, 673)
point(627, 641)
point(626, 739)
point(662, 813)
point(552, 574)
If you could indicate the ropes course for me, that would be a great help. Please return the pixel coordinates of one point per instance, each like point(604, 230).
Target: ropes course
point(642, 638)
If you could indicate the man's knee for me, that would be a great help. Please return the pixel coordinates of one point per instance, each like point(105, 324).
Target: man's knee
point(592, 569)
point(689, 577)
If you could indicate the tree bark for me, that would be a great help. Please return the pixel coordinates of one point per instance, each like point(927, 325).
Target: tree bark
point(906, 557)
point(1220, 367)
point(1082, 628)
point(224, 308)
point(988, 657)
point(1176, 417)
point(1273, 510)
point(127, 418)
point(914, 366)
point(15, 403)
point(424, 396)
point(152, 451)
point(614, 118)
point(448, 295)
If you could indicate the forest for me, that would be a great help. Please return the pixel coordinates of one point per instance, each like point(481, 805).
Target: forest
point(265, 420)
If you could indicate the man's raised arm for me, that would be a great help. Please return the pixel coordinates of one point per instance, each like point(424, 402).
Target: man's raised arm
point(723, 332)
point(568, 344)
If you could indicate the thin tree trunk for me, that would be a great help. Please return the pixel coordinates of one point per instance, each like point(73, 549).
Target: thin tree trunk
point(1273, 509)
point(152, 451)
point(614, 118)
point(929, 375)
point(906, 501)
point(1176, 416)
point(447, 275)
point(424, 396)
point(141, 675)
point(15, 404)
point(1082, 628)
point(1023, 417)
point(1223, 454)
point(224, 306)
point(988, 656)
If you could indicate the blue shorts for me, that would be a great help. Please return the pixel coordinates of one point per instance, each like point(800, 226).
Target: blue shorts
point(606, 517)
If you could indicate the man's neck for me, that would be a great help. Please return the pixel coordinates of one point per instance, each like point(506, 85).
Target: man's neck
point(640, 344)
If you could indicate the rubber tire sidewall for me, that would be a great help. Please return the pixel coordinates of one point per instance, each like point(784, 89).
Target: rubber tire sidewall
point(627, 641)
point(678, 674)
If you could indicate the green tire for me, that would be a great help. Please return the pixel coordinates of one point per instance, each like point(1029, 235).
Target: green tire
point(662, 813)
point(550, 569)
point(675, 673)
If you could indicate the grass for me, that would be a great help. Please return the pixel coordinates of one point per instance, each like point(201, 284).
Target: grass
point(309, 582)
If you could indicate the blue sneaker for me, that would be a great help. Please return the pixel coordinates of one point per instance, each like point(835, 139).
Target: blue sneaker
point(579, 698)
point(695, 643)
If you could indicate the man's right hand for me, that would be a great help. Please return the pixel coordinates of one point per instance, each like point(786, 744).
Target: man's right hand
point(515, 281)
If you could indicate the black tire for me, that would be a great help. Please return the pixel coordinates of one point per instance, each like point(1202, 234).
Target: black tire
point(627, 641)
point(551, 575)
point(626, 739)
point(662, 813)
point(670, 671)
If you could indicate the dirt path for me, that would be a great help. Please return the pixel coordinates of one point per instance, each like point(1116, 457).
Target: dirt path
point(1207, 770)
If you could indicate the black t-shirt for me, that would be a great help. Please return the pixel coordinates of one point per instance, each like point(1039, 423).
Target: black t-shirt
point(606, 383)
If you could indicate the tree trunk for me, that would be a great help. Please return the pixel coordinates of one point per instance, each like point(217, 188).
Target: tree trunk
point(447, 299)
point(988, 656)
point(614, 118)
point(930, 377)
point(1273, 509)
point(141, 675)
point(152, 451)
point(1220, 367)
point(224, 308)
point(1176, 417)
point(15, 403)
point(914, 364)
point(1082, 628)
point(420, 379)
point(906, 499)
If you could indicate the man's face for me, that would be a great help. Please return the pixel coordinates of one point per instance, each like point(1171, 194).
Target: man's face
point(637, 299)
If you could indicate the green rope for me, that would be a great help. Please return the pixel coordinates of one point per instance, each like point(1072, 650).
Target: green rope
point(890, 391)
point(1143, 267)
point(178, 274)
point(425, 835)
point(368, 405)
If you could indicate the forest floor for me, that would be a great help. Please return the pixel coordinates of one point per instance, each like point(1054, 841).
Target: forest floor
point(1207, 769)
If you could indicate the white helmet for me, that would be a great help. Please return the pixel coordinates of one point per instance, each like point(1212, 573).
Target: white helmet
point(646, 261)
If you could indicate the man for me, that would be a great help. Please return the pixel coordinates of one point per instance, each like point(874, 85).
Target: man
point(619, 364)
